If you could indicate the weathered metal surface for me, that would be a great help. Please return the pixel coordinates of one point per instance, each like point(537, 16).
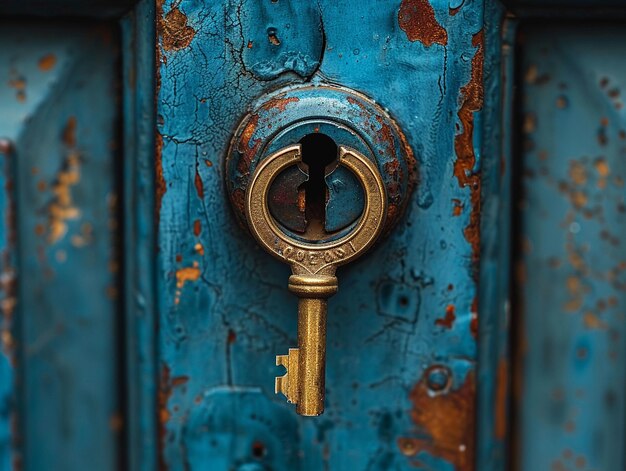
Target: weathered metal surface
point(493, 367)
point(571, 274)
point(408, 306)
point(59, 107)
point(138, 38)
point(350, 119)
point(9, 455)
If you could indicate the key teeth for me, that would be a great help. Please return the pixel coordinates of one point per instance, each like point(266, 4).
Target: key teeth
point(282, 360)
point(287, 384)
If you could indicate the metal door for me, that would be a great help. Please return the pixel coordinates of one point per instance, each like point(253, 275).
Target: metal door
point(140, 320)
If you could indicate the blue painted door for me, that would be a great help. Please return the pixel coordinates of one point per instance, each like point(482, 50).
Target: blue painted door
point(140, 320)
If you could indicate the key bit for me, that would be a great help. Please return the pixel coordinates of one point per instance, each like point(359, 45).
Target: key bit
point(313, 266)
point(287, 384)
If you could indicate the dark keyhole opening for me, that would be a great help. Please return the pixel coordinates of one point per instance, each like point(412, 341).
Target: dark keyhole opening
point(318, 152)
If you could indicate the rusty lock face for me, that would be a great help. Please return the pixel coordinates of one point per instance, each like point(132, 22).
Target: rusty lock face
point(269, 192)
point(320, 118)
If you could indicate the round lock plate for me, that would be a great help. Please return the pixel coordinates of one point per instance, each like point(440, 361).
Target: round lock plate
point(293, 115)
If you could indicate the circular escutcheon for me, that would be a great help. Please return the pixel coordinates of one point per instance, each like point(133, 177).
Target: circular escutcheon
point(288, 116)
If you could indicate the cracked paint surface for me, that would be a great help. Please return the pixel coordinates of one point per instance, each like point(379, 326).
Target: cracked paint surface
point(222, 330)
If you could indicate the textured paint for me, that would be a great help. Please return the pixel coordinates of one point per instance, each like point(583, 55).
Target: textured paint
point(63, 126)
point(9, 455)
point(138, 38)
point(572, 264)
point(417, 20)
point(495, 248)
point(221, 331)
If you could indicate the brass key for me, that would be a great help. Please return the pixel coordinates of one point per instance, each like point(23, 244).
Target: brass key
point(313, 266)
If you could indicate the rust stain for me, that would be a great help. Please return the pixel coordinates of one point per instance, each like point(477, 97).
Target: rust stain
point(8, 278)
point(198, 184)
point(47, 62)
point(62, 208)
point(19, 84)
point(578, 199)
point(448, 420)
point(502, 394)
point(417, 19)
point(167, 384)
point(602, 167)
point(185, 274)
point(474, 318)
point(280, 103)
point(457, 210)
point(472, 94)
point(199, 248)
point(248, 148)
point(273, 39)
point(174, 31)
point(197, 227)
point(593, 322)
point(69, 132)
point(578, 173)
point(447, 321)
point(530, 123)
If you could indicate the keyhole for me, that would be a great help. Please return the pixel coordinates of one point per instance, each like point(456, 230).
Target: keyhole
point(318, 152)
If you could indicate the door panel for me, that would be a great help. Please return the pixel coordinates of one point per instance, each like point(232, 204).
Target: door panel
point(571, 273)
point(59, 118)
point(406, 313)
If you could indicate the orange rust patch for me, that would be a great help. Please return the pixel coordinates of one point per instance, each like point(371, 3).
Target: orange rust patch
point(417, 19)
point(602, 167)
point(502, 393)
point(17, 84)
point(593, 322)
point(280, 103)
point(62, 209)
point(47, 62)
point(69, 132)
point(199, 185)
point(183, 275)
point(448, 419)
point(174, 31)
point(248, 152)
point(448, 320)
point(166, 389)
point(472, 94)
point(273, 39)
point(457, 210)
point(197, 227)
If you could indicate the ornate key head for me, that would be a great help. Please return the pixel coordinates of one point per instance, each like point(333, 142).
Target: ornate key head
point(307, 258)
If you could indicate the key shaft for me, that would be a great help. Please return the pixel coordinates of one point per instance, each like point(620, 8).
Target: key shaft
point(313, 292)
